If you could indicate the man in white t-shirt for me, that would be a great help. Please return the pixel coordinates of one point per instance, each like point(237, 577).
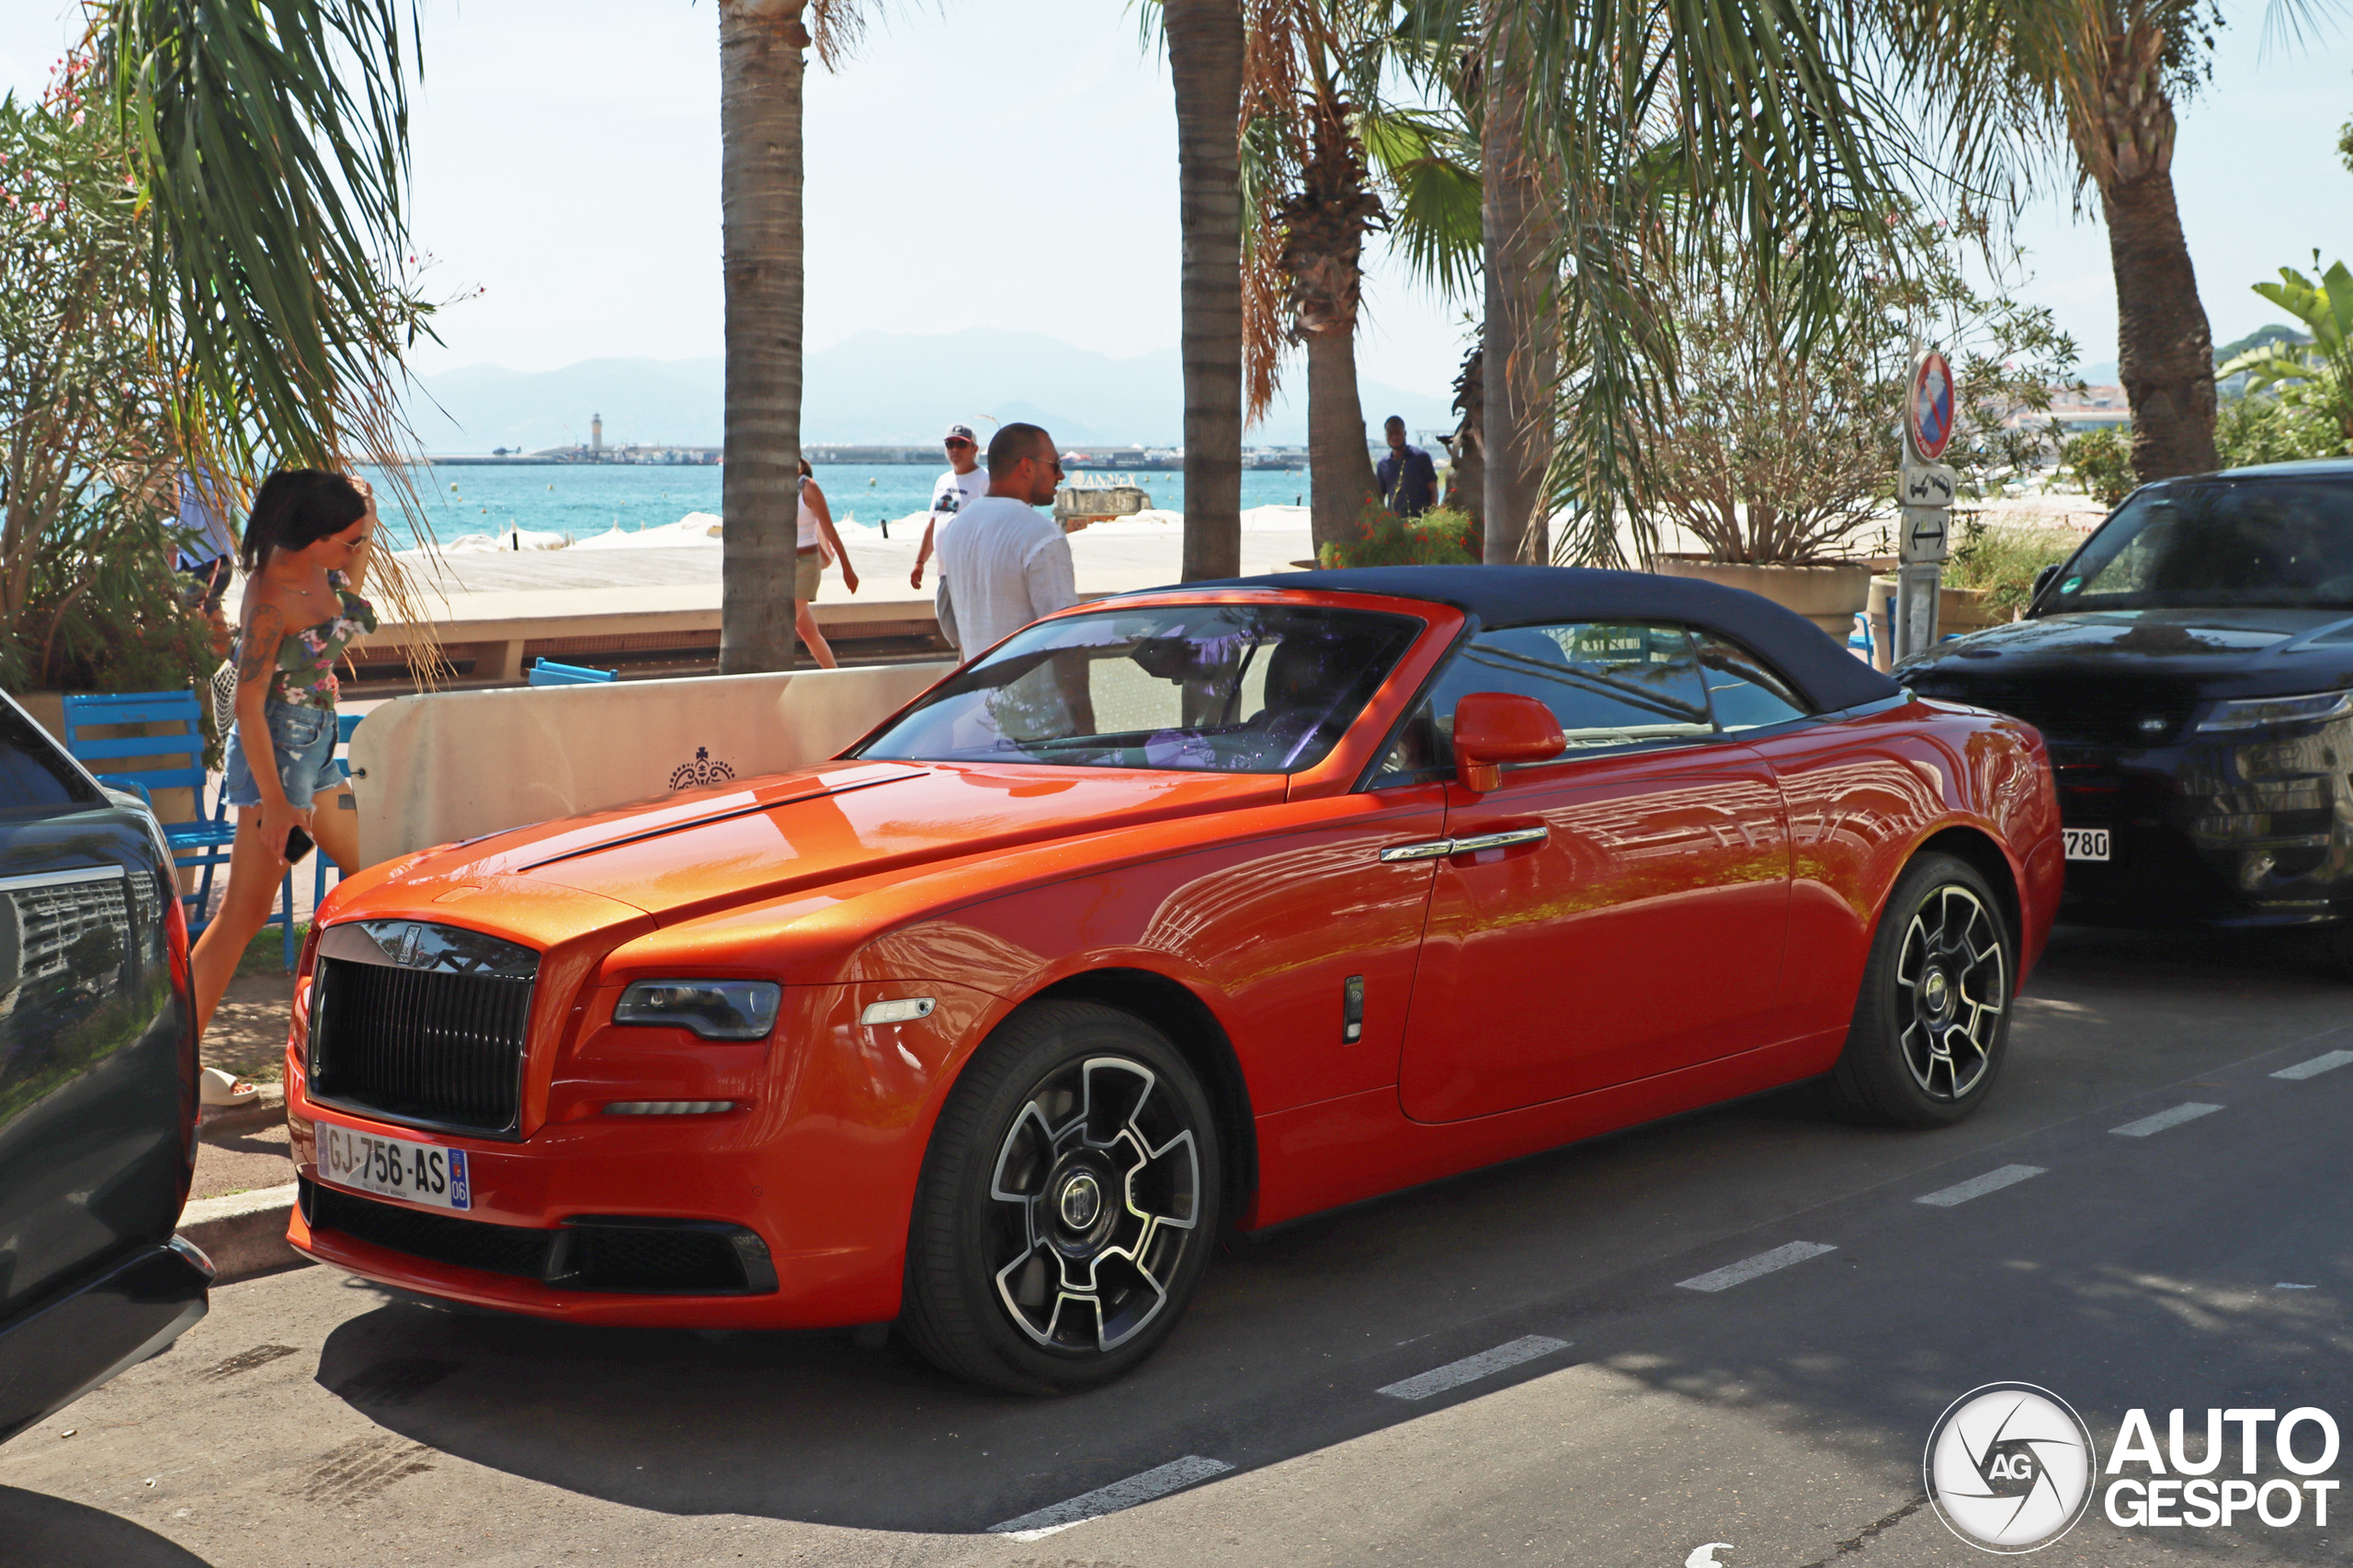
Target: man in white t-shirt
point(1001, 564)
point(962, 485)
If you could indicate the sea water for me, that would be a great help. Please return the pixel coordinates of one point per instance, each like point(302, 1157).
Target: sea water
point(586, 499)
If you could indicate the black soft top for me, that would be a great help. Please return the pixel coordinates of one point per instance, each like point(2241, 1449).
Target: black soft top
point(1529, 596)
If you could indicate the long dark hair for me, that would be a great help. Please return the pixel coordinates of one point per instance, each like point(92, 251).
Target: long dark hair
point(297, 507)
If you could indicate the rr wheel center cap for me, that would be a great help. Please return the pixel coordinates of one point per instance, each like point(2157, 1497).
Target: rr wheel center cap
point(1936, 993)
point(1080, 1200)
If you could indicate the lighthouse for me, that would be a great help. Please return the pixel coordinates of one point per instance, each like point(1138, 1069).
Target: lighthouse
point(595, 434)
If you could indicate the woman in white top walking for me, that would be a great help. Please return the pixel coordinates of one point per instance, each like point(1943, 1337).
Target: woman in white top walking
point(817, 540)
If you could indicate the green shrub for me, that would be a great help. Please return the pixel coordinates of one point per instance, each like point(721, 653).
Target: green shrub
point(2003, 562)
point(1440, 537)
point(2258, 428)
point(2101, 461)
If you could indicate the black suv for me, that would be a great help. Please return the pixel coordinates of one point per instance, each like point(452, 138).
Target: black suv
point(2191, 667)
point(97, 1084)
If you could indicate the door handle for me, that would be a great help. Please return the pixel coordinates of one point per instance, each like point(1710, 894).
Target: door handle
point(1497, 840)
point(1439, 848)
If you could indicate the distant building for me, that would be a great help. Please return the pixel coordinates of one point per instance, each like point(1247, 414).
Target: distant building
point(595, 434)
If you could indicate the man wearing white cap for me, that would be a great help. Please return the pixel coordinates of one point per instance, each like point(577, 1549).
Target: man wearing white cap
point(962, 485)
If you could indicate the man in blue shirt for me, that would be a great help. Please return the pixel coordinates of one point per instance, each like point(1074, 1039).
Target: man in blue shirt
point(1408, 478)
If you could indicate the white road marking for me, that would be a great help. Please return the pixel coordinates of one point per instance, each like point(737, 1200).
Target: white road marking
point(1159, 1481)
point(2283, 1285)
point(1705, 1556)
point(2190, 1111)
point(1978, 1187)
point(1454, 1374)
point(2316, 1066)
point(1750, 1267)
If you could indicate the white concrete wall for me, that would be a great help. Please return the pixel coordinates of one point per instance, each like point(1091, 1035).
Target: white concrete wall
point(443, 766)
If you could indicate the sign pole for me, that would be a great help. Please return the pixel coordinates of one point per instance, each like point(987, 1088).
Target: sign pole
point(1925, 497)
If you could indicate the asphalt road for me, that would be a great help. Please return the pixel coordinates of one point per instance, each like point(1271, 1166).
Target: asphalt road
point(1608, 1413)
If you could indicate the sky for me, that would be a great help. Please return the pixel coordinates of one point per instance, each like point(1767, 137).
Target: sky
point(1012, 164)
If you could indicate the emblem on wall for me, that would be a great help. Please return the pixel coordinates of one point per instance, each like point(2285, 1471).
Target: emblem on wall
point(701, 772)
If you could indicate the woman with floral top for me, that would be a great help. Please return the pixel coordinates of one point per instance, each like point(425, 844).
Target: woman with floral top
point(306, 553)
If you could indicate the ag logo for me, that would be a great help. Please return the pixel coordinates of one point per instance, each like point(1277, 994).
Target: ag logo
point(2010, 1467)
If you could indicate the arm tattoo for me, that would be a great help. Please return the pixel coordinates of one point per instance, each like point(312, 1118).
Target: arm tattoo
point(264, 631)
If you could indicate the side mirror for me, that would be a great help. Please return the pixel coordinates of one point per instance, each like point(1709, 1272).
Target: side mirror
point(2042, 581)
point(1492, 728)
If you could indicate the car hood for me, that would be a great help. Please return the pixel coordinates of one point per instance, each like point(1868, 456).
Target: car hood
point(690, 857)
point(2233, 652)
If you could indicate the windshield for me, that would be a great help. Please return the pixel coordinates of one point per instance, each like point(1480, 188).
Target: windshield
point(2284, 544)
point(1214, 687)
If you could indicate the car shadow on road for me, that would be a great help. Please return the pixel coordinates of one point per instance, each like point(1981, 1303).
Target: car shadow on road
point(41, 1531)
point(1277, 1357)
point(1294, 1332)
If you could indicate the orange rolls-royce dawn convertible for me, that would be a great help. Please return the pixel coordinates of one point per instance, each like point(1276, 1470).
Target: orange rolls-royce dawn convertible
point(1192, 908)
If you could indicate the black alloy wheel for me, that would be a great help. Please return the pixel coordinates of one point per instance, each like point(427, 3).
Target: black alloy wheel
point(1067, 1205)
point(1932, 1019)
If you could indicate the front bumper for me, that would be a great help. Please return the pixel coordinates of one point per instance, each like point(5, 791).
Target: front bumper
point(808, 1182)
point(2218, 831)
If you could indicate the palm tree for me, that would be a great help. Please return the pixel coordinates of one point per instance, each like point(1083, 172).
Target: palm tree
point(1205, 59)
point(1615, 135)
point(270, 144)
point(1318, 138)
point(2102, 77)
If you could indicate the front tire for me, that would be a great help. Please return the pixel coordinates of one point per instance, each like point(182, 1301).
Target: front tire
point(1067, 1203)
point(1932, 1020)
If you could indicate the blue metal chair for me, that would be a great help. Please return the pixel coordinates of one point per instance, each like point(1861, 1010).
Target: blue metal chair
point(547, 672)
point(201, 842)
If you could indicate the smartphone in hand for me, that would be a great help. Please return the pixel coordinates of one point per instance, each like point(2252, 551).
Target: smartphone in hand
point(298, 844)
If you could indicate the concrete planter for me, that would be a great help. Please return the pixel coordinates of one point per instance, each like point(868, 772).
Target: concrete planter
point(1828, 593)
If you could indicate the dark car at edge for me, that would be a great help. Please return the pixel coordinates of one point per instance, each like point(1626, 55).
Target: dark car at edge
point(97, 1084)
point(2190, 667)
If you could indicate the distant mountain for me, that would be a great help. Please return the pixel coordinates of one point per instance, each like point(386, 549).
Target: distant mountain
point(875, 387)
point(2261, 337)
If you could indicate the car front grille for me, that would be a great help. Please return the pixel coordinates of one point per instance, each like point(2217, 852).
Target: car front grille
point(2078, 709)
point(429, 1032)
point(686, 1257)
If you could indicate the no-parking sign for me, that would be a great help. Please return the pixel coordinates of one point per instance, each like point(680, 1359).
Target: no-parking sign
point(1929, 412)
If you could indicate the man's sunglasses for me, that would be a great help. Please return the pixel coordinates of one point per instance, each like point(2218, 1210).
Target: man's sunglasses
point(956, 441)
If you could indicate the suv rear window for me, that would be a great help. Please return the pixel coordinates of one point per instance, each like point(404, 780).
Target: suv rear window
point(34, 772)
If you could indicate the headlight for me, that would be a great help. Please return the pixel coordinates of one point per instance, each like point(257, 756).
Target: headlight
point(715, 1009)
point(2271, 712)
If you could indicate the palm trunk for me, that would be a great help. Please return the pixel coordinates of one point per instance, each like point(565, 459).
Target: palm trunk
point(1519, 348)
point(1324, 226)
point(2122, 124)
point(760, 70)
point(1340, 477)
point(2164, 350)
point(1205, 58)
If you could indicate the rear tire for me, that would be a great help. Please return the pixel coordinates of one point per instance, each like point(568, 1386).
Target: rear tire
point(1067, 1203)
point(1932, 1019)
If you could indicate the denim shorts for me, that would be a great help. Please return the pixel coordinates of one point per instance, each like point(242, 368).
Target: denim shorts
point(304, 739)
